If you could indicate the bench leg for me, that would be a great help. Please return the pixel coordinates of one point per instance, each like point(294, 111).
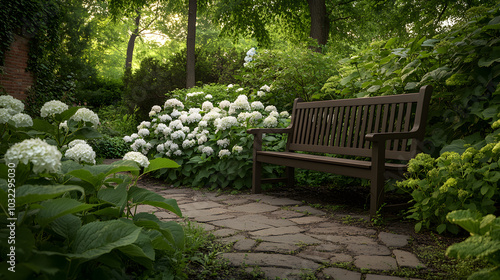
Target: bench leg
point(290, 176)
point(376, 195)
point(256, 177)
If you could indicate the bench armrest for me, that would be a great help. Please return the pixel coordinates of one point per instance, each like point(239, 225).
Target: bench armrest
point(382, 136)
point(268, 130)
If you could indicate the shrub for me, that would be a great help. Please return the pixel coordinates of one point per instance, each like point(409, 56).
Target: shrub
point(148, 85)
point(74, 221)
point(292, 73)
point(454, 181)
point(109, 147)
point(210, 142)
point(100, 92)
point(483, 243)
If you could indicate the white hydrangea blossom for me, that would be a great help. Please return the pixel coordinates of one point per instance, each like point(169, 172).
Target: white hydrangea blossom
point(141, 159)
point(152, 113)
point(207, 150)
point(257, 105)
point(43, 156)
point(194, 118)
point(255, 116)
point(165, 118)
point(177, 124)
point(160, 148)
point(188, 144)
point(241, 103)
point(224, 104)
point(224, 153)
point(52, 107)
point(271, 108)
point(223, 142)
point(140, 145)
point(179, 134)
point(284, 114)
point(144, 124)
point(237, 149)
point(178, 153)
point(5, 116)
point(143, 132)
point(156, 108)
point(240, 89)
point(191, 94)
point(270, 121)
point(167, 131)
point(243, 116)
point(76, 142)
point(260, 93)
point(208, 96)
point(81, 152)
point(230, 86)
point(226, 122)
point(86, 115)
point(160, 128)
point(274, 114)
point(134, 136)
point(212, 115)
point(203, 124)
point(127, 139)
point(207, 106)
point(175, 113)
point(173, 103)
point(266, 88)
point(201, 138)
point(12, 104)
point(64, 125)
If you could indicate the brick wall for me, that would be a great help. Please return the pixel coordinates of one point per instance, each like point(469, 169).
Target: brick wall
point(15, 79)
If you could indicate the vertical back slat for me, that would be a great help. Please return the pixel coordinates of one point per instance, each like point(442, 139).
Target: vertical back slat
point(338, 126)
point(352, 123)
point(407, 122)
point(358, 120)
point(334, 126)
point(322, 129)
point(319, 121)
point(399, 123)
point(299, 125)
point(345, 126)
point(364, 121)
point(307, 128)
point(370, 129)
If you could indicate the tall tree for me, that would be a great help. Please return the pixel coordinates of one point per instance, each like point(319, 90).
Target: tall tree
point(190, 45)
point(131, 41)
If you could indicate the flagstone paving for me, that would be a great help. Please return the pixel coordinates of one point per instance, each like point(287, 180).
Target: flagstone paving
point(285, 239)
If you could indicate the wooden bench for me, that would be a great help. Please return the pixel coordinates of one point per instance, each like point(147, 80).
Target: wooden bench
point(377, 128)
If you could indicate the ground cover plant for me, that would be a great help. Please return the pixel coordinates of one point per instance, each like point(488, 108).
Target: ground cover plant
point(207, 135)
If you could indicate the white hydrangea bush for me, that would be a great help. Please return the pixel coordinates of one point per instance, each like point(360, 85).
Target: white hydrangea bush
point(11, 111)
point(205, 137)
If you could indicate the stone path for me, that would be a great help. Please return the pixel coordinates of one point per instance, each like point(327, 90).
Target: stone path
point(286, 239)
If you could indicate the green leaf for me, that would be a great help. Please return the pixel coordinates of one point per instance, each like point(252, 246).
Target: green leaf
point(466, 219)
point(487, 62)
point(441, 228)
point(116, 196)
point(474, 246)
point(44, 126)
point(159, 163)
point(141, 251)
point(86, 133)
point(97, 238)
point(142, 196)
point(66, 114)
point(56, 208)
point(66, 226)
point(34, 193)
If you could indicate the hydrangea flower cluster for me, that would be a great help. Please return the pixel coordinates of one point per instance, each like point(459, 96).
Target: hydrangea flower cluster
point(53, 107)
point(11, 110)
point(250, 53)
point(43, 156)
point(212, 130)
point(80, 151)
point(86, 115)
point(141, 159)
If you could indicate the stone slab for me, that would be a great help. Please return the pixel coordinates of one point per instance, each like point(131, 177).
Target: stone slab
point(339, 229)
point(272, 247)
point(211, 218)
point(341, 274)
point(368, 249)
point(385, 277)
point(286, 214)
point(316, 256)
point(407, 259)
point(375, 262)
point(225, 232)
point(298, 238)
point(282, 273)
point(277, 231)
point(393, 240)
point(252, 223)
point(341, 258)
point(356, 239)
point(244, 245)
point(307, 220)
point(308, 210)
point(201, 205)
point(253, 208)
point(279, 201)
point(266, 260)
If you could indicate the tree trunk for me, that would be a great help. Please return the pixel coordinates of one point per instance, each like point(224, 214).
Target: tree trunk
point(320, 24)
point(131, 42)
point(191, 41)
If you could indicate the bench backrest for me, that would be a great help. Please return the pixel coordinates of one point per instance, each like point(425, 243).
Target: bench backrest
point(340, 126)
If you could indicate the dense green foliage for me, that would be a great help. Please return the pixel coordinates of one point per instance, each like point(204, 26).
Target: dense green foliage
point(148, 85)
point(74, 221)
point(483, 243)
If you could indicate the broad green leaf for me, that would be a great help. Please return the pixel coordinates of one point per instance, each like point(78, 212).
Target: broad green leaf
point(141, 251)
point(44, 126)
point(142, 196)
point(34, 193)
point(389, 43)
point(475, 246)
point(53, 209)
point(441, 228)
point(101, 237)
point(467, 219)
point(116, 196)
point(486, 274)
point(66, 114)
point(66, 226)
point(86, 133)
point(159, 163)
point(486, 62)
